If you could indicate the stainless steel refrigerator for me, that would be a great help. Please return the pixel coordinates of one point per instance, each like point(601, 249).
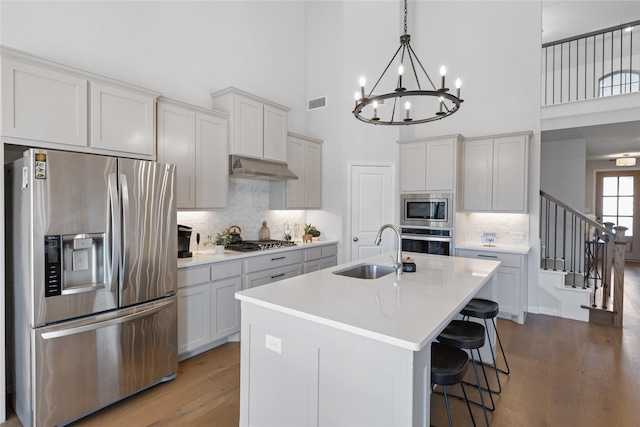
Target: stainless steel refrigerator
point(91, 271)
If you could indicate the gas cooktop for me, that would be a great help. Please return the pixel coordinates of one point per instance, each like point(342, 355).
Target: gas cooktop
point(258, 245)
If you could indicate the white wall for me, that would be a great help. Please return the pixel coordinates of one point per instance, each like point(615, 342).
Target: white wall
point(562, 171)
point(183, 49)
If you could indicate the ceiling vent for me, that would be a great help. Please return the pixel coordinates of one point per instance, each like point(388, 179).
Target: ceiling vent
point(313, 104)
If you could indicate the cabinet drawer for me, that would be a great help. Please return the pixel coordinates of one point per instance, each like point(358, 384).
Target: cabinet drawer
point(311, 254)
point(331, 250)
point(273, 260)
point(508, 260)
point(193, 276)
point(272, 275)
point(226, 269)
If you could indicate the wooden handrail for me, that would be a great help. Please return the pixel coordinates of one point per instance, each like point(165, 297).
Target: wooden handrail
point(613, 257)
point(600, 227)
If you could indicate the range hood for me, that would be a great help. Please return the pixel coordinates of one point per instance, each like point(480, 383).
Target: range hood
point(251, 168)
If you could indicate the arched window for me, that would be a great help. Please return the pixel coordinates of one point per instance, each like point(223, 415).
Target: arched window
point(625, 81)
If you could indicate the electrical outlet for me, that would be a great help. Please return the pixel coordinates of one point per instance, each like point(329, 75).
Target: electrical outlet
point(517, 236)
point(273, 343)
point(489, 237)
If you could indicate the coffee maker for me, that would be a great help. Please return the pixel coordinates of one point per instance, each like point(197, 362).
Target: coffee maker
point(184, 241)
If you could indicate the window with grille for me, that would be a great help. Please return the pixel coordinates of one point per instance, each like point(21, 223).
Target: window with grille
point(618, 201)
point(619, 82)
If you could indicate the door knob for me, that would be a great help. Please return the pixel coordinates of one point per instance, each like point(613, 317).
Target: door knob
point(355, 239)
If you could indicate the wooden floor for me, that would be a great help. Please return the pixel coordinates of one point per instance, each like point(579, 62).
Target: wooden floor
point(564, 373)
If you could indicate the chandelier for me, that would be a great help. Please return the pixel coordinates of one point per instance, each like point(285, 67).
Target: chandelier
point(421, 104)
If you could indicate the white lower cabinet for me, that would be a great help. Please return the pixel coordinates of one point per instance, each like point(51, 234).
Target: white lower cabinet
point(511, 293)
point(272, 267)
point(272, 275)
point(225, 310)
point(319, 258)
point(194, 327)
point(208, 311)
point(207, 308)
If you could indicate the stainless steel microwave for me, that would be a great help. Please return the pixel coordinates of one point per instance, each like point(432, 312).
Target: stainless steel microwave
point(427, 210)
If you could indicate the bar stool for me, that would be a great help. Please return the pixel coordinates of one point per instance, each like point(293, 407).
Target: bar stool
point(448, 366)
point(486, 309)
point(467, 335)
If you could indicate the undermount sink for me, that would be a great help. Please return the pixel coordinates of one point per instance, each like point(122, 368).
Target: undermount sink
point(366, 271)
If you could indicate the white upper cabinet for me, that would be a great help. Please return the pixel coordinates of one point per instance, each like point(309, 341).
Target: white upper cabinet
point(212, 161)
point(44, 105)
point(275, 133)
point(496, 173)
point(304, 158)
point(429, 164)
point(122, 120)
point(247, 127)
point(177, 145)
point(258, 127)
point(49, 105)
point(195, 140)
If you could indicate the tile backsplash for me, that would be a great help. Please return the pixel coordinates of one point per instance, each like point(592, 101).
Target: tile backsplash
point(247, 207)
point(509, 229)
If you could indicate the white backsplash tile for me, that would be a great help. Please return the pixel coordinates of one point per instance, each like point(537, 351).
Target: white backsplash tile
point(502, 224)
point(247, 207)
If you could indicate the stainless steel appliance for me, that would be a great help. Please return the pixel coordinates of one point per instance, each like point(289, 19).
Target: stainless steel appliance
point(184, 241)
point(427, 240)
point(92, 273)
point(427, 210)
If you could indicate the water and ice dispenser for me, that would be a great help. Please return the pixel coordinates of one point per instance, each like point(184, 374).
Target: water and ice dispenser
point(74, 263)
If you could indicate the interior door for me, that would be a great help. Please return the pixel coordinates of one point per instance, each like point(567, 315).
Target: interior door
point(149, 231)
point(373, 204)
point(618, 201)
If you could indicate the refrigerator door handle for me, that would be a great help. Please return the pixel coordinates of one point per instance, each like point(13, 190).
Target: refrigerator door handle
point(124, 232)
point(103, 324)
point(113, 235)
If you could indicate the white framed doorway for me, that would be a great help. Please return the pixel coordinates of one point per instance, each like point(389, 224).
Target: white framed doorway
point(373, 201)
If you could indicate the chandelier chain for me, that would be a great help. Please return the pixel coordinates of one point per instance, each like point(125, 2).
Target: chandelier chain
point(405, 16)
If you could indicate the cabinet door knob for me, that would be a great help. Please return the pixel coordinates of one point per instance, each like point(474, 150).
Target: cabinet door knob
point(355, 239)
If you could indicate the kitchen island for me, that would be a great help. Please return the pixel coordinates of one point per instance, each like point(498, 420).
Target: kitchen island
point(326, 349)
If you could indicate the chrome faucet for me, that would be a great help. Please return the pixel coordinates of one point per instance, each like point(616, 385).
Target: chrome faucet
point(398, 261)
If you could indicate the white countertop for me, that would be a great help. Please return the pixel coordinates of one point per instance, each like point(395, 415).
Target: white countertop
point(209, 256)
point(407, 311)
point(498, 247)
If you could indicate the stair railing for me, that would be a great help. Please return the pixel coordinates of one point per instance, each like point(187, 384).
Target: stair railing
point(583, 249)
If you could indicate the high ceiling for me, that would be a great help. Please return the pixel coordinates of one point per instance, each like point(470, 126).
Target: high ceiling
point(562, 19)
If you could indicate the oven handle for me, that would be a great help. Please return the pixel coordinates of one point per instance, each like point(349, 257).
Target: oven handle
point(426, 238)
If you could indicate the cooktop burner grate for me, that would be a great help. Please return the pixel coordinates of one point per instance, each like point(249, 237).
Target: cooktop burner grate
point(259, 245)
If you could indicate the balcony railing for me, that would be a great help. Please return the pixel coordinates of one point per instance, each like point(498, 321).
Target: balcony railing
point(600, 63)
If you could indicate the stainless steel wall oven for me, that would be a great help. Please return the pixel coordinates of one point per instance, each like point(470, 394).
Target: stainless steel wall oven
point(427, 240)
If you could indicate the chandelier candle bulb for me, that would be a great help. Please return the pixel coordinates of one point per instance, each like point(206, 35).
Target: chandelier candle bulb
point(443, 73)
point(407, 106)
point(362, 82)
point(458, 84)
point(357, 98)
point(375, 110)
point(400, 72)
